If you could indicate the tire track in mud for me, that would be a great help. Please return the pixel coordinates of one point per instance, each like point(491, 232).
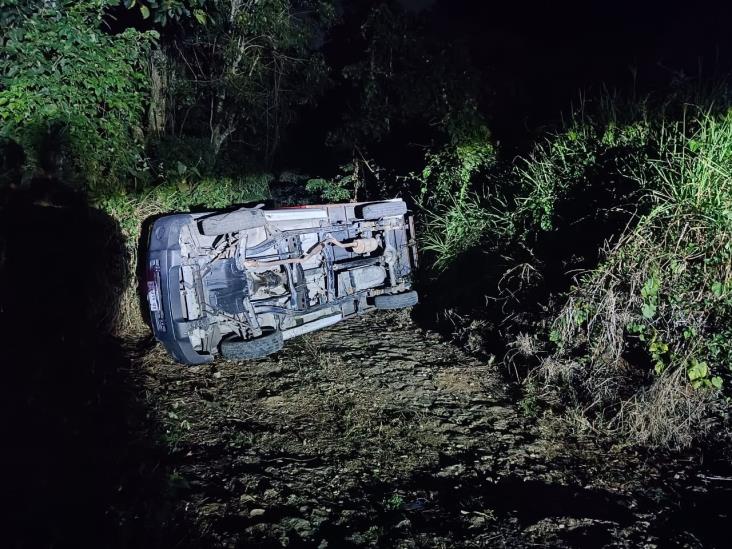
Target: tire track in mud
point(377, 433)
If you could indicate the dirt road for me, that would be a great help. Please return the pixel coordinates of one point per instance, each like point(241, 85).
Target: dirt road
point(377, 433)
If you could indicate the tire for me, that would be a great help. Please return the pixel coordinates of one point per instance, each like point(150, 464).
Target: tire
point(396, 301)
point(231, 222)
point(249, 349)
point(383, 209)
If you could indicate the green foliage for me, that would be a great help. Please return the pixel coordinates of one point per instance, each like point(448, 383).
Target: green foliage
point(164, 11)
point(668, 277)
point(130, 209)
point(332, 191)
point(58, 69)
point(450, 171)
point(343, 186)
point(649, 293)
point(699, 375)
point(394, 502)
point(562, 166)
point(458, 218)
point(458, 225)
point(529, 403)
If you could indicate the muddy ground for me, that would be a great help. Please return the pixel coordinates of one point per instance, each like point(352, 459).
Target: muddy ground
point(376, 433)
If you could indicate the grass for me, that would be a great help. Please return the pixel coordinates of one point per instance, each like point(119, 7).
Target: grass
point(663, 294)
point(457, 225)
point(130, 210)
point(641, 345)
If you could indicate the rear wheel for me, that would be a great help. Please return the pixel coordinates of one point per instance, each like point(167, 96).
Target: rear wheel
point(396, 301)
point(383, 209)
point(248, 349)
point(232, 222)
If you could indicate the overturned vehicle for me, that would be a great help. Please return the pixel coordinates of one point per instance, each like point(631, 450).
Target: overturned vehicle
point(239, 283)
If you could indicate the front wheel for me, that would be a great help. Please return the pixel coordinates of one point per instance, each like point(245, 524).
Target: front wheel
point(249, 349)
point(396, 301)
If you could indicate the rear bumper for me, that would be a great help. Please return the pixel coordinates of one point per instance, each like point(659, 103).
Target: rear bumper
point(163, 268)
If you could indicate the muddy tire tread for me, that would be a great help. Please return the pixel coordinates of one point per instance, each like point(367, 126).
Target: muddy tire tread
point(252, 348)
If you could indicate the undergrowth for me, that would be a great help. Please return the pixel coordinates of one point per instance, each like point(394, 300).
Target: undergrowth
point(661, 301)
point(624, 220)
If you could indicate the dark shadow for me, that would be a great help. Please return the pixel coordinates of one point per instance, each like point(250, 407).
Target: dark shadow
point(82, 461)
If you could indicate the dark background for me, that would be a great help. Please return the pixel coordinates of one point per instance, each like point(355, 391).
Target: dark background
point(537, 62)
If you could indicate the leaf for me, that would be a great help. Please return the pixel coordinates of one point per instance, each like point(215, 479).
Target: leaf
point(650, 288)
point(698, 371)
point(694, 145)
point(145, 11)
point(717, 382)
point(181, 167)
point(200, 16)
point(718, 289)
point(648, 310)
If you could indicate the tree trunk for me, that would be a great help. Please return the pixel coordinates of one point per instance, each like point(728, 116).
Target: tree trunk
point(157, 111)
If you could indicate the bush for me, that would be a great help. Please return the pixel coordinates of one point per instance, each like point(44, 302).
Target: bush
point(593, 155)
point(457, 225)
point(642, 205)
point(457, 218)
point(661, 301)
point(59, 70)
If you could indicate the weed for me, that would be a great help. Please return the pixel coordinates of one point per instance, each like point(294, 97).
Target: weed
point(663, 289)
point(457, 225)
point(529, 404)
point(668, 413)
point(394, 502)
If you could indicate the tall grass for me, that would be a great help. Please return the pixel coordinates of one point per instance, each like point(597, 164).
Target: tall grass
point(459, 224)
point(652, 320)
point(664, 292)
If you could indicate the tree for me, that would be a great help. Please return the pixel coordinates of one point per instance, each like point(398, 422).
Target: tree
point(412, 82)
point(248, 70)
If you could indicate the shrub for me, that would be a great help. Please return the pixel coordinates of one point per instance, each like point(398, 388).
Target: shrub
point(457, 225)
point(457, 217)
point(593, 154)
point(59, 69)
point(638, 197)
point(661, 301)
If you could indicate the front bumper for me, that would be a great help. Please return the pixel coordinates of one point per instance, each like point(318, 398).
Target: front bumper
point(163, 267)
